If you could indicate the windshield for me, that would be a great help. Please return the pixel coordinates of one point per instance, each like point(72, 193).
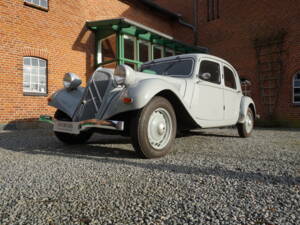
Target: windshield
point(182, 67)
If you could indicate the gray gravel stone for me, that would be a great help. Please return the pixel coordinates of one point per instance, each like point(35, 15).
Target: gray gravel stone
point(211, 177)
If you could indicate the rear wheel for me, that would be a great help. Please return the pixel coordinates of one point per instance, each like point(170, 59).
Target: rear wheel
point(67, 138)
point(245, 129)
point(153, 129)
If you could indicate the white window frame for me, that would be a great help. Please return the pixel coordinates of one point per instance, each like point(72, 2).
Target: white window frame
point(99, 52)
point(38, 3)
point(30, 68)
point(138, 49)
point(294, 87)
point(161, 51)
point(170, 51)
point(129, 37)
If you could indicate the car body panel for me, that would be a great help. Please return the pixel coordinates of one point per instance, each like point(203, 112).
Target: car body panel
point(208, 104)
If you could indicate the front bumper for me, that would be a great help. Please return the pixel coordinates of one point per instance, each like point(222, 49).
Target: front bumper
point(77, 127)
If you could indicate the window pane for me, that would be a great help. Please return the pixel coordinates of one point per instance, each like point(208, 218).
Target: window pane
point(297, 83)
point(26, 77)
point(212, 68)
point(144, 52)
point(128, 48)
point(157, 53)
point(26, 61)
point(181, 68)
point(27, 69)
point(34, 79)
point(42, 63)
point(44, 3)
point(36, 2)
point(297, 99)
point(42, 71)
point(229, 78)
point(34, 71)
point(297, 90)
point(108, 48)
point(42, 88)
point(35, 62)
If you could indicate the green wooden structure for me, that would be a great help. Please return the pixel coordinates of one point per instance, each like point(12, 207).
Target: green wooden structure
point(123, 27)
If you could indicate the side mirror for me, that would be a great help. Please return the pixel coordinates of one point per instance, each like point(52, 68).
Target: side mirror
point(205, 76)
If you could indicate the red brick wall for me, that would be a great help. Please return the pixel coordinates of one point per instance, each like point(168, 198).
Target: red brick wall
point(232, 38)
point(58, 36)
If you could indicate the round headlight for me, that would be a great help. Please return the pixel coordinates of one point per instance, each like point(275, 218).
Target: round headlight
point(71, 81)
point(124, 75)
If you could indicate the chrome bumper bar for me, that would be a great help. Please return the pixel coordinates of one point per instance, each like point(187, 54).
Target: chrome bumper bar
point(77, 127)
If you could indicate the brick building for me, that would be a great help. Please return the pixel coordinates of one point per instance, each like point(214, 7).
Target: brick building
point(41, 40)
point(262, 40)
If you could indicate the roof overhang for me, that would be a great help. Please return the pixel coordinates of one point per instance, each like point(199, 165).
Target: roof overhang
point(127, 26)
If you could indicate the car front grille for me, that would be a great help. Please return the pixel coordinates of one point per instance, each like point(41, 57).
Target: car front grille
point(93, 96)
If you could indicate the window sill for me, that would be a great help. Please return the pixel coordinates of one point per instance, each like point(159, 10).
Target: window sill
point(36, 6)
point(34, 94)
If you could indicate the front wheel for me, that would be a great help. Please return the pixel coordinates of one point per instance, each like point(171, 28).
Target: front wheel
point(154, 128)
point(67, 138)
point(245, 129)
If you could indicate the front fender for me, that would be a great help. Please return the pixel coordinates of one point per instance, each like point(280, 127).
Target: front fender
point(141, 93)
point(67, 101)
point(246, 102)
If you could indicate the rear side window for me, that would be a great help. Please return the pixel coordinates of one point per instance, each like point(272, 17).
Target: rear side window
point(229, 78)
point(213, 68)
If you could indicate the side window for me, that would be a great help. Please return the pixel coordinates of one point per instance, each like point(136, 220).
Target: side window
point(213, 69)
point(34, 75)
point(229, 78)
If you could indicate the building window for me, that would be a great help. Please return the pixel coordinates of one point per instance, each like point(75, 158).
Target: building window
point(144, 51)
point(34, 75)
point(39, 3)
point(296, 87)
point(229, 78)
point(130, 51)
point(212, 10)
point(157, 52)
point(107, 51)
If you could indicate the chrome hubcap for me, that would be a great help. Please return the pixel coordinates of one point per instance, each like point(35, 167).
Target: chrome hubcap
point(159, 128)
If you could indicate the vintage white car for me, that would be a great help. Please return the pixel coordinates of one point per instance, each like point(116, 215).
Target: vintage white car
point(166, 96)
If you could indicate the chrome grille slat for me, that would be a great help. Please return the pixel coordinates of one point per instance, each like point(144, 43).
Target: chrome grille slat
point(93, 96)
point(93, 99)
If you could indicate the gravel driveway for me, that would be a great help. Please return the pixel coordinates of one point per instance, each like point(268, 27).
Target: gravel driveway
point(212, 177)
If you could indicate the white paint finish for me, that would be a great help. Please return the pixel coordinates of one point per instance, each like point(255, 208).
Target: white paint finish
point(207, 103)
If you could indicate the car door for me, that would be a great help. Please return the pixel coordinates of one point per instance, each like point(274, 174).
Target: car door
point(232, 95)
point(207, 103)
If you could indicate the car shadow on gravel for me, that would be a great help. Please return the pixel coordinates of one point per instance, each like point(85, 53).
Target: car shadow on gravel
point(44, 143)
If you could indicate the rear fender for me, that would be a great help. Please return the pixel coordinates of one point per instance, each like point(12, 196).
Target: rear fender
point(246, 102)
point(67, 101)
